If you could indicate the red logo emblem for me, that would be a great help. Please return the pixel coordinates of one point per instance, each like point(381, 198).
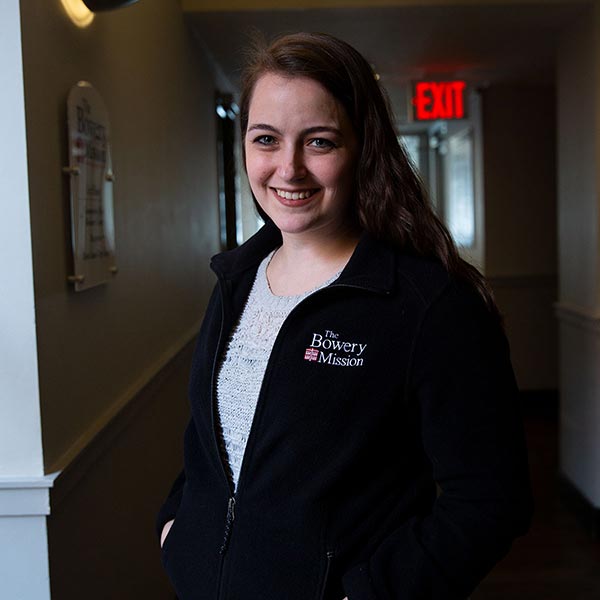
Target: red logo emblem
point(311, 354)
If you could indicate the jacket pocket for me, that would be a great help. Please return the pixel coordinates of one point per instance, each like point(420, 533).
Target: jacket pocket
point(323, 589)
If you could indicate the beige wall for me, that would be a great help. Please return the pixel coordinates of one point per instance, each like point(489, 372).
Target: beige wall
point(209, 5)
point(578, 160)
point(97, 347)
point(520, 223)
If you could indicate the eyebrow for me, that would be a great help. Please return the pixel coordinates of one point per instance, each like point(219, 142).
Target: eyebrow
point(308, 130)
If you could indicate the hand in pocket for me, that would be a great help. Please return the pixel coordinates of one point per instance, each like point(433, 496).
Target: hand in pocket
point(165, 531)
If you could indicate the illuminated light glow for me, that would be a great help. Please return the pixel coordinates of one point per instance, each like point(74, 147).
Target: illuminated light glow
point(78, 12)
point(439, 100)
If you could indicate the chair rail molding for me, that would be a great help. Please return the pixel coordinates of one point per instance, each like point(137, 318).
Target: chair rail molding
point(578, 316)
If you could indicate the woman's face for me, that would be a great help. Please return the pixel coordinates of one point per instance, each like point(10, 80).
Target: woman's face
point(301, 154)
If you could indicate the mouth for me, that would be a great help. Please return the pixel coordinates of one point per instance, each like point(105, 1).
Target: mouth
point(295, 194)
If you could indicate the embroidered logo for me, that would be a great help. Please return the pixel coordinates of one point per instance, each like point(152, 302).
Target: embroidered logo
point(311, 354)
point(327, 348)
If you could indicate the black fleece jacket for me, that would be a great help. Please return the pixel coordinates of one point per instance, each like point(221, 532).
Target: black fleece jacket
point(391, 380)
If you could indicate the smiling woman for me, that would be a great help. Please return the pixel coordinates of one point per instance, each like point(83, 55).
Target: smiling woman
point(349, 367)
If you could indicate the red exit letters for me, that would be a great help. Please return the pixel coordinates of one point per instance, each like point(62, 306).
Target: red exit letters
point(439, 100)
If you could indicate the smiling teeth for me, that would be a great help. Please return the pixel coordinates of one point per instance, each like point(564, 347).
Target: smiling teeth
point(294, 195)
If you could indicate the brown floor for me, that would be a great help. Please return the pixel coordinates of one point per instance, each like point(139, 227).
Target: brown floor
point(557, 559)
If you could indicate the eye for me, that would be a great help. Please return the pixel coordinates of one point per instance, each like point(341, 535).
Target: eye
point(264, 140)
point(321, 143)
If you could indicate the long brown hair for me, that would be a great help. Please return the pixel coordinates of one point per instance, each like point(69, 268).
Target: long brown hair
point(390, 201)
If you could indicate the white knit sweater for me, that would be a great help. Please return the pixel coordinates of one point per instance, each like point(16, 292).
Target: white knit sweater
point(244, 363)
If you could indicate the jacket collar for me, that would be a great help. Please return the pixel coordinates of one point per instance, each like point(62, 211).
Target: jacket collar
point(372, 265)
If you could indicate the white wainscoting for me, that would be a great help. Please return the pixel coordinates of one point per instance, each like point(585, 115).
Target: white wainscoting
point(579, 330)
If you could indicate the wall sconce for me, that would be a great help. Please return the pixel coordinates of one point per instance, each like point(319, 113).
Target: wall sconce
point(78, 12)
point(101, 5)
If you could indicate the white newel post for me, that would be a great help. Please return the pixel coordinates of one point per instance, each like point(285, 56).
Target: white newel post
point(23, 487)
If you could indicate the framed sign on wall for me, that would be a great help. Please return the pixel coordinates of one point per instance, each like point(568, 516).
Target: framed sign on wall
point(91, 188)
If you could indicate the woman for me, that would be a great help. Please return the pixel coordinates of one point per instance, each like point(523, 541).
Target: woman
point(354, 428)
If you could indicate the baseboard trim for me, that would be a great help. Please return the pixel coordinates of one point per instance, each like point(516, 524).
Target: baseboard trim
point(97, 440)
point(587, 514)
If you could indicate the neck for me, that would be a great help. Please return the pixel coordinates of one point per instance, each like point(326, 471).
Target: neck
point(325, 246)
point(304, 262)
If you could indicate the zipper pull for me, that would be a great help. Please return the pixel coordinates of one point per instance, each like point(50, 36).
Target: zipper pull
point(228, 524)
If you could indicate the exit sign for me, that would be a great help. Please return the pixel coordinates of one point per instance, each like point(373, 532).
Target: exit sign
point(439, 100)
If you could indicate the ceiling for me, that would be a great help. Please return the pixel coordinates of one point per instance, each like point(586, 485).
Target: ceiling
point(482, 44)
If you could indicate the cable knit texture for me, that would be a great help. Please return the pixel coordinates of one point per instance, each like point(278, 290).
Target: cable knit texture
point(244, 363)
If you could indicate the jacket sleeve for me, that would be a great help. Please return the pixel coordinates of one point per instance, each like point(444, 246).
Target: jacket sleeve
point(472, 434)
point(170, 507)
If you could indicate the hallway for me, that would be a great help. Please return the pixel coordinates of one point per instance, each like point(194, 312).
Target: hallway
point(558, 559)
point(94, 384)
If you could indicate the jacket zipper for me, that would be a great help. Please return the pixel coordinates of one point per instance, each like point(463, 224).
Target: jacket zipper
point(228, 524)
point(223, 549)
point(213, 406)
point(326, 577)
point(231, 500)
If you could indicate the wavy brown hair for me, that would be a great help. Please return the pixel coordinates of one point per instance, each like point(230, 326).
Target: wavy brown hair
point(390, 200)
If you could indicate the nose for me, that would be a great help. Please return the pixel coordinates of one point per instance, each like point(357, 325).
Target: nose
point(291, 165)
